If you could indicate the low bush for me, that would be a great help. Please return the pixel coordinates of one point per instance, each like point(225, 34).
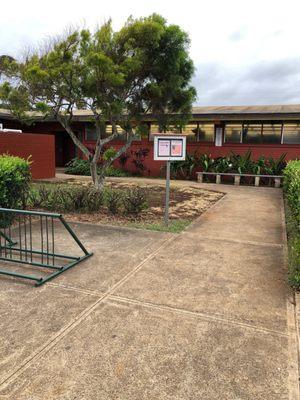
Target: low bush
point(291, 186)
point(77, 198)
point(77, 166)
point(113, 200)
point(15, 177)
point(134, 201)
point(65, 198)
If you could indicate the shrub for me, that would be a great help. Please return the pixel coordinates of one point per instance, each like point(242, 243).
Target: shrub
point(113, 200)
point(15, 177)
point(109, 153)
point(134, 201)
point(291, 187)
point(65, 198)
point(77, 166)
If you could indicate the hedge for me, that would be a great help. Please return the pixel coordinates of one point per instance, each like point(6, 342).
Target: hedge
point(15, 177)
point(291, 186)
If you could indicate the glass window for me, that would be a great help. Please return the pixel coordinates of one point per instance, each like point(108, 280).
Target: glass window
point(90, 132)
point(191, 132)
point(271, 133)
point(233, 133)
point(252, 133)
point(291, 133)
point(154, 128)
point(206, 133)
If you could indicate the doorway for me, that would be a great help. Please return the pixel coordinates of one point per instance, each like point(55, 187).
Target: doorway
point(64, 149)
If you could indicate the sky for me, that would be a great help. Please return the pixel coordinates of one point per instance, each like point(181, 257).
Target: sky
point(245, 52)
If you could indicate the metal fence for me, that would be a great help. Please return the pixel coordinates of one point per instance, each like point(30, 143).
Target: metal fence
point(30, 237)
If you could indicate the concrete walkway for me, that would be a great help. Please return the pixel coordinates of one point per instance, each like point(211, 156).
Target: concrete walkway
point(202, 315)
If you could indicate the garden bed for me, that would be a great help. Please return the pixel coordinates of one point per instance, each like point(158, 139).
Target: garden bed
point(186, 204)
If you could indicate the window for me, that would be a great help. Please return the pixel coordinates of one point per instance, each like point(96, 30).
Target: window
point(154, 128)
point(252, 133)
point(233, 133)
point(91, 135)
point(191, 132)
point(291, 134)
point(206, 133)
point(271, 133)
point(90, 132)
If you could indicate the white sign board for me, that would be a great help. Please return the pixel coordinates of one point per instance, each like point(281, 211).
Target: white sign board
point(169, 147)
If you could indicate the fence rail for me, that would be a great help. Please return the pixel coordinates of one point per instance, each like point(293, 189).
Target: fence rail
point(29, 237)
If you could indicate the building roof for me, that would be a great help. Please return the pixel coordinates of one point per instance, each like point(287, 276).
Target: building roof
point(273, 109)
point(291, 111)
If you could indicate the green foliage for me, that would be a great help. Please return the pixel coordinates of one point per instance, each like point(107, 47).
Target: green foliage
point(65, 198)
point(185, 169)
point(109, 154)
point(86, 199)
point(134, 201)
point(78, 166)
point(243, 164)
point(291, 186)
point(118, 76)
point(113, 199)
point(15, 177)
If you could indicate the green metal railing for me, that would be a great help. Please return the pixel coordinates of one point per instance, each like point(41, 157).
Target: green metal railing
point(29, 237)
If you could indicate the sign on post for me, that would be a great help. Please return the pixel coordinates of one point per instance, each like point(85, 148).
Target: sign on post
point(169, 147)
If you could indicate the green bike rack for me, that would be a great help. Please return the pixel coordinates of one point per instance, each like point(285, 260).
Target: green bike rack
point(19, 243)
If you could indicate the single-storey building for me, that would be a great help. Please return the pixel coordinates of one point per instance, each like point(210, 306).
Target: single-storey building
point(217, 130)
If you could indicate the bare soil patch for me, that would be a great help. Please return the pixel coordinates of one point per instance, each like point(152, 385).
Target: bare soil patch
point(185, 204)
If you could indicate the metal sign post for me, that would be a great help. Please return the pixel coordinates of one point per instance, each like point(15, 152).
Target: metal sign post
point(167, 193)
point(169, 147)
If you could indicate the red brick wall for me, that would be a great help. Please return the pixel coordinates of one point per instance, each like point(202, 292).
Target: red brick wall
point(41, 148)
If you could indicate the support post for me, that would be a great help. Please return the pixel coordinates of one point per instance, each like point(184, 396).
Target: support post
point(237, 180)
point(257, 179)
point(200, 177)
point(218, 179)
point(277, 182)
point(167, 193)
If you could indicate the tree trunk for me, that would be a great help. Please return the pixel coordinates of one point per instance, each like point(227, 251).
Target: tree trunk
point(98, 179)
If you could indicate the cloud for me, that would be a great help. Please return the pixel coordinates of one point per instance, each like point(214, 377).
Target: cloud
point(267, 82)
point(238, 35)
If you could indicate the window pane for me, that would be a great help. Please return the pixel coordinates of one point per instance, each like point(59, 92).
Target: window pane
point(206, 133)
point(90, 132)
point(121, 133)
point(252, 133)
point(291, 133)
point(191, 131)
point(271, 133)
point(233, 133)
point(154, 128)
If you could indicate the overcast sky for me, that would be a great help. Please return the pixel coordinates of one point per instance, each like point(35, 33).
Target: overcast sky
point(245, 52)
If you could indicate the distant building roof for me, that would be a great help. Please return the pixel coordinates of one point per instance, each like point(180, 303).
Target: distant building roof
point(208, 112)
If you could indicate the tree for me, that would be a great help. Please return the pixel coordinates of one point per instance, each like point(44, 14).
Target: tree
point(117, 76)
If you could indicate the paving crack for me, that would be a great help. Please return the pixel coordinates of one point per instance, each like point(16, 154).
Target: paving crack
point(196, 314)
